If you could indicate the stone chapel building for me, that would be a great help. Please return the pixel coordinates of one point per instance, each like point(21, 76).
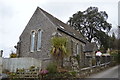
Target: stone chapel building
point(35, 39)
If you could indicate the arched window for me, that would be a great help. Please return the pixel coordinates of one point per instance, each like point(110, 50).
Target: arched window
point(39, 39)
point(72, 46)
point(32, 45)
point(77, 48)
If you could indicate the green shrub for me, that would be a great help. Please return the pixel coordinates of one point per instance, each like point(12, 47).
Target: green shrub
point(52, 68)
point(20, 70)
point(5, 71)
point(116, 56)
point(73, 73)
point(54, 72)
point(13, 55)
point(32, 67)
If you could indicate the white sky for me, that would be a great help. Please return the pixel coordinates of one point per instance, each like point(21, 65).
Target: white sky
point(15, 14)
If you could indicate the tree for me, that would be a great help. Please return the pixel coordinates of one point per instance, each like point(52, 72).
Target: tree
point(91, 23)
point(104, 40)
point(59, 49)
point(113, 42)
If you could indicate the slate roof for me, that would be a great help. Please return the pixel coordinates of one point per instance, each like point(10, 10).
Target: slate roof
point(61, 26)
point(90, 47)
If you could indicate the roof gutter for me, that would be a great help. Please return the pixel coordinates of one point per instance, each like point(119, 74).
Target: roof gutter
point(62, 30)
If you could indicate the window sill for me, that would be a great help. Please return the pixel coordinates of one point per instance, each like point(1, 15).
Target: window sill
point(38, 50)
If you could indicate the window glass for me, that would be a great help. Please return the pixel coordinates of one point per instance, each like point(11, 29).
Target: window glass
point(72, 46)
point(39, 39)
point(32, 47)
point(77, 48)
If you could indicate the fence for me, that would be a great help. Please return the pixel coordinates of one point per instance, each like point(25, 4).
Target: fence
point(89, 70)
point(27, 73)
point(94, 60)
point(105, 61)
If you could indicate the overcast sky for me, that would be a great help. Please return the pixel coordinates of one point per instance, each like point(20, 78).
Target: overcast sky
point(15, 14)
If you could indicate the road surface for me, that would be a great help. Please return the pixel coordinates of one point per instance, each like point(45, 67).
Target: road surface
point(113, 72)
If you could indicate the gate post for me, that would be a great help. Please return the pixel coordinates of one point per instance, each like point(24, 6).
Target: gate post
point(0, 65)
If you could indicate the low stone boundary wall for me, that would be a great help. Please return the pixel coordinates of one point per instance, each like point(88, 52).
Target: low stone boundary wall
point(93, 69)
point(12, 64)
